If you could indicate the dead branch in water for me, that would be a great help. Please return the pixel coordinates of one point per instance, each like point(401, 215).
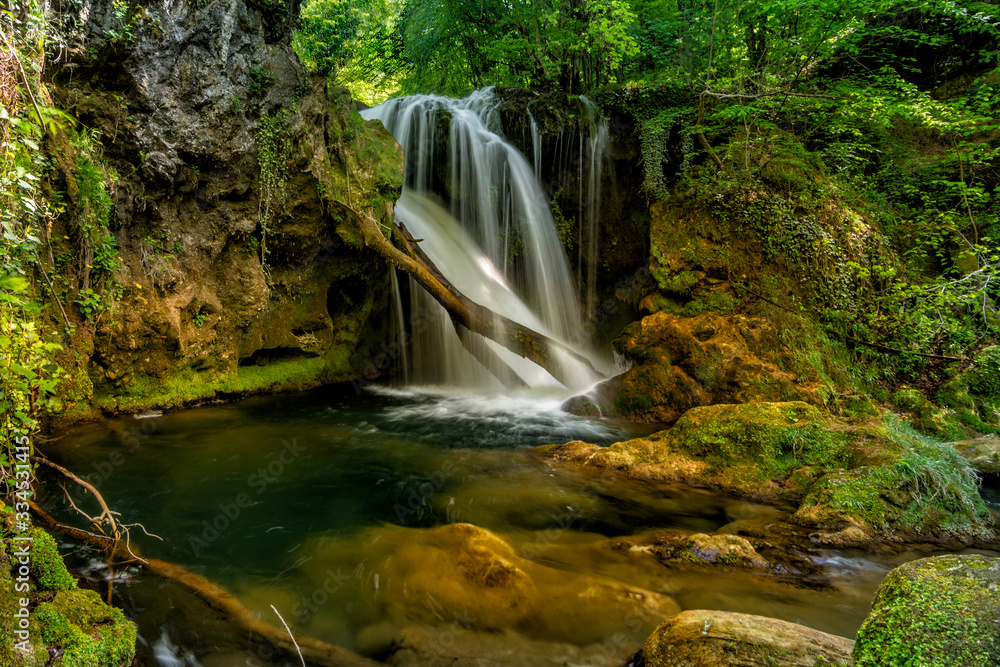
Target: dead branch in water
point(316, 652)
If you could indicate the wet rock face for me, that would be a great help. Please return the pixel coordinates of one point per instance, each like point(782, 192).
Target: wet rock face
point(727, 639)
point(220, 141)
point(943, 610)
point(685, 362)
point(983, 454)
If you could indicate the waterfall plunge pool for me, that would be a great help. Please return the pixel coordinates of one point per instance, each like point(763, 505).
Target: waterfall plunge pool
point(330, 506)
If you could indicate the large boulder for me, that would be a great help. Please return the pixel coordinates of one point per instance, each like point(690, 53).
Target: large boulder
point(983, 454)
point(679, 363)
point(703, 638)
point(943, 610)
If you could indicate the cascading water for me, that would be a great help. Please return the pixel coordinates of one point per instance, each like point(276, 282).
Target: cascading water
point(587, 147)
point(496, 242)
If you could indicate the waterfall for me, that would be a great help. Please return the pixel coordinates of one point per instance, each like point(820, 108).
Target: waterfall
point(484, 221)
point(588, 149)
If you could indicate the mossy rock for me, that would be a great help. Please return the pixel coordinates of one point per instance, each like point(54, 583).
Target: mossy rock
point(927, 417)
point(983, 454)
point(89, 632)
point(772, 438)
point(47, 566)
point(941, 611)
point(921, 489)
point(65, 621)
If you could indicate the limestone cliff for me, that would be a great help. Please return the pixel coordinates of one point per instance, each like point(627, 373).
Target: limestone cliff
point(213, 142)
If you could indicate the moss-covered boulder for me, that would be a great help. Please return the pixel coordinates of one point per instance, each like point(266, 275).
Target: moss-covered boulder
point(728, 639)
point(934, 612)
point(924, 415)
point(67, 626)
point(696, 549)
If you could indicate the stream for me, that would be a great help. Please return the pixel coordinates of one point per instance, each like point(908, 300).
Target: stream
point(309, 502)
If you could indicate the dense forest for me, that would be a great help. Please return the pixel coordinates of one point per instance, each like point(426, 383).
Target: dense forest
point(798, 265)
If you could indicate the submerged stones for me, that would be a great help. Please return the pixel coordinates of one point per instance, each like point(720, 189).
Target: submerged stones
point(702, 638)
point(939, 611)
point(467, 574)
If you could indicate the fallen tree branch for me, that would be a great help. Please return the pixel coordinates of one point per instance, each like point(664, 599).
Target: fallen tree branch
point(105, 517)
point(516, 337)
point(893, 350)
point(314, 651)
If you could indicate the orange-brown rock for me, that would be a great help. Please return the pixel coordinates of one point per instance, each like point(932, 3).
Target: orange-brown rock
point(702, 638)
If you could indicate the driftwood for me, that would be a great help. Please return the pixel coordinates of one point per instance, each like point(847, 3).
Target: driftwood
point(313, 651)
point(517, 338)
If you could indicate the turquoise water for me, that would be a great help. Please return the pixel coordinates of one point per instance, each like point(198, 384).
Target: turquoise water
point(310, 501)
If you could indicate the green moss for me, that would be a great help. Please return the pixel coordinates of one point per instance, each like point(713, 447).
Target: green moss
point(934, 612)
point(46, 564)
point(768, 440)
point(927, 487)
point(90, 633)
point(927, 417)
point(191, 386)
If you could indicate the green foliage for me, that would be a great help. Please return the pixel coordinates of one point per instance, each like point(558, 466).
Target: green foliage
point(357, 43)
point(928, 486)
point(28, 370)
point(272, 156)
point(260, 81)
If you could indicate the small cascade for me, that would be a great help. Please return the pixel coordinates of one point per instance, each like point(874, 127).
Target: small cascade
point(581, 155)
point(589, 224)
point(485, 223)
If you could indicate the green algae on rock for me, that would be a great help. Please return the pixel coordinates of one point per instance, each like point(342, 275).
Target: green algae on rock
point(942, 611)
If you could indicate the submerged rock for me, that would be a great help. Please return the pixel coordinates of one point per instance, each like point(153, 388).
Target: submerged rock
point(701, 638)
point(939, 611)
point(699, 548)
point(467, 574)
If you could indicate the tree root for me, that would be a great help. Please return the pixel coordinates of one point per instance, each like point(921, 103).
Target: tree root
point(314, 651)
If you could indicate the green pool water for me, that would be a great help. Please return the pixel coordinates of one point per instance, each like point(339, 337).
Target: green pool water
point(304, 500)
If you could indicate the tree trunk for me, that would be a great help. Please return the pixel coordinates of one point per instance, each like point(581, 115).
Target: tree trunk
point(516, 337)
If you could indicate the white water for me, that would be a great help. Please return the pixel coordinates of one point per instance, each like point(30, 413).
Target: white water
point(496, 242)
